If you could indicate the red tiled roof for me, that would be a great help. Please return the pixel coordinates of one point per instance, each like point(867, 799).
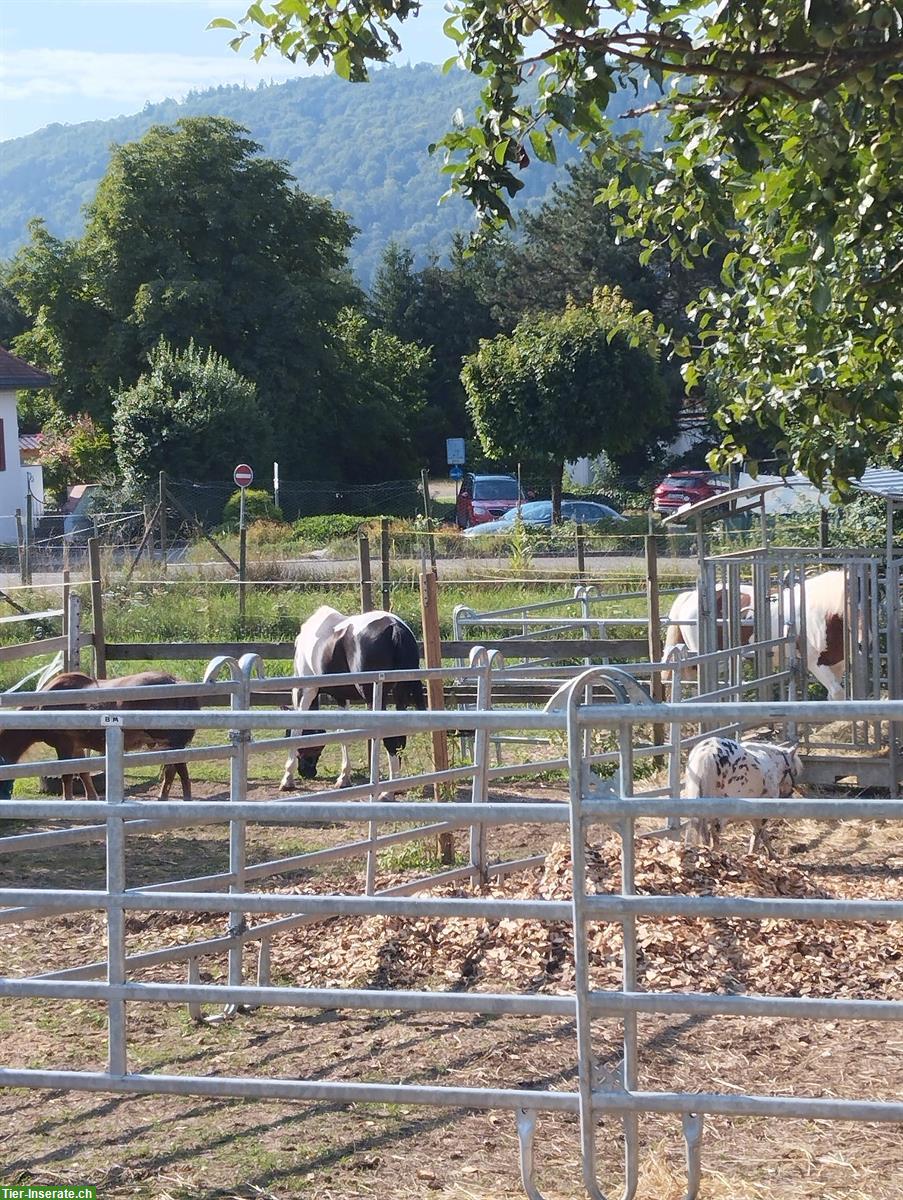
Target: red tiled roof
point(15, 373)
point(31, 441)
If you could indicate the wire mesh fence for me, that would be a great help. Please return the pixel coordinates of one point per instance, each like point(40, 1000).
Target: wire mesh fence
point(305, 498)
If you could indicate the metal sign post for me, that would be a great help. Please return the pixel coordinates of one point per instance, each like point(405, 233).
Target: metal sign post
point(243, 477)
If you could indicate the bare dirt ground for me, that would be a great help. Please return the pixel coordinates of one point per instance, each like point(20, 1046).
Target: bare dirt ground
point(171, 1147)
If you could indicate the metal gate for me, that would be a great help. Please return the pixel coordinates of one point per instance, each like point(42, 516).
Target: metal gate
point(611, 802)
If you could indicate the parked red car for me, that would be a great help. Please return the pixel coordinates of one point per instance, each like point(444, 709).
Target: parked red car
point(687, 487)
point(485, 498)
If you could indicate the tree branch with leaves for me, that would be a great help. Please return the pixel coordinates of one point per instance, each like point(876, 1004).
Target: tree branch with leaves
point(784, 128)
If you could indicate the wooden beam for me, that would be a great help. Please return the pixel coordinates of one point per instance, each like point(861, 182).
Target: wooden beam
point(97, 628)
point(31, 649)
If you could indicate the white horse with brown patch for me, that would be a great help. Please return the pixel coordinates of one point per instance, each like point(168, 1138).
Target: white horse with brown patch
point(824, 599)
point(683, 621)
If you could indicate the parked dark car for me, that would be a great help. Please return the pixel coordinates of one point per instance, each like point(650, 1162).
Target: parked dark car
point(687, 487)
point(485, 498)
point(538, 515)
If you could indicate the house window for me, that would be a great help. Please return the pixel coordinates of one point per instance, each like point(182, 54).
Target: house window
point(2, 446)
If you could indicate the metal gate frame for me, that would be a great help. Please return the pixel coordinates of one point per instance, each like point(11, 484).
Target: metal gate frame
point(592, 801)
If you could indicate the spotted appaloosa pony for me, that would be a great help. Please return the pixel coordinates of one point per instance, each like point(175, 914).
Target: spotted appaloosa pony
point(721, 766)
point(71, 743)
point(332, 644)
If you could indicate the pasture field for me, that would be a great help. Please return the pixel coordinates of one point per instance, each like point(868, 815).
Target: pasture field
point(153, 609)
point(180, 1148)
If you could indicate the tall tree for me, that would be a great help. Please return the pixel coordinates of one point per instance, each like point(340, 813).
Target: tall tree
point(194, 237)
point(562, 386)
point(441, 309)
point(785, 131)
point(378, 404)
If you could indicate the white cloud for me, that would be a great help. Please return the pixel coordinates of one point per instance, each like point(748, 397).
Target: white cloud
point(129, 79)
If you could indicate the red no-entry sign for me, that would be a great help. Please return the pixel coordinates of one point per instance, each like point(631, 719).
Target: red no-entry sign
point(243, 475)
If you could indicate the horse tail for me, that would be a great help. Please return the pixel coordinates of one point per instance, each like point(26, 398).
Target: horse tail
point(410, 693)
point(673, 637)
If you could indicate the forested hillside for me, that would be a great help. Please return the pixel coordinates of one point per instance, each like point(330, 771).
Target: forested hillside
point(364, 148)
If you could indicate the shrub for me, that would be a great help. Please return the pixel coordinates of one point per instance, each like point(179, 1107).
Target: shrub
point(186, 415)
point(259, 506)
point(75, 450)
point(331, 527)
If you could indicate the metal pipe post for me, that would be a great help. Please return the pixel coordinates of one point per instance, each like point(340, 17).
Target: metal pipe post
point(239, 700)
point(630, 1063)
point(373, 828)
point(483, 660)
point(116, 968)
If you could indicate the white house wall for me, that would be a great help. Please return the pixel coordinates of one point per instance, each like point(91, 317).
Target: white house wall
point(13, 481)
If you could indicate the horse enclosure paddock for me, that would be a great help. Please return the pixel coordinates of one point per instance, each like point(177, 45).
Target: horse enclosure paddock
point(606, 731)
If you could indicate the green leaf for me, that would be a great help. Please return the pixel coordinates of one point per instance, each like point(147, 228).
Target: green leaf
point(222, 23)
point(821, 298)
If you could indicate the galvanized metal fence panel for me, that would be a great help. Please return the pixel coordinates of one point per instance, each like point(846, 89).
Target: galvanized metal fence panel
point(613, 802)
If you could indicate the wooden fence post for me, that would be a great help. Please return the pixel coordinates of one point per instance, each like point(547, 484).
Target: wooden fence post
point(97, 627)
point(73, 632)
point(363, 554)
point(581, 550)
point(20, 541)
point(67, 589)
point(823, 528)
point(384, 562)
point(432, 653)
point(29, 522)
point(431, 538)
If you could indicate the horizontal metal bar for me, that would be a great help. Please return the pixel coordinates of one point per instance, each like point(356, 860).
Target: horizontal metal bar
point(318, 905)
point(786, 1107)
point(507, 770)
point(344, 998)
point(353, 678)
point(750, 908)
point(79, 834)
point(53, 768)
point(513, 1099)
point(561, 623)
point(363, 719)
point(603, 1003)
point(744, 808)
point(752, 712)
point(298, 862)
point(799, 1008)
point(72, 697)
point(293, 812)
point(293, 1089)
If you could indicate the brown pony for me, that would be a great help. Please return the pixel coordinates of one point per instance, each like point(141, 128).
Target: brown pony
point(71, 743)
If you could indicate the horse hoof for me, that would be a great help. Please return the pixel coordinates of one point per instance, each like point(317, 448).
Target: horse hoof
point(287, 785)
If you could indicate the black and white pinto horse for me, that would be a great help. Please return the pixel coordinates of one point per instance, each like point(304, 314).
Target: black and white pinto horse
point(332, 644)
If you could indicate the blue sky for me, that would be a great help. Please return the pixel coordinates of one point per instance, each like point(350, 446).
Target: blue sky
point(79, 60)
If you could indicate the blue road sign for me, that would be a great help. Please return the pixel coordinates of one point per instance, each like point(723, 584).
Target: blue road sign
point(456, 472)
